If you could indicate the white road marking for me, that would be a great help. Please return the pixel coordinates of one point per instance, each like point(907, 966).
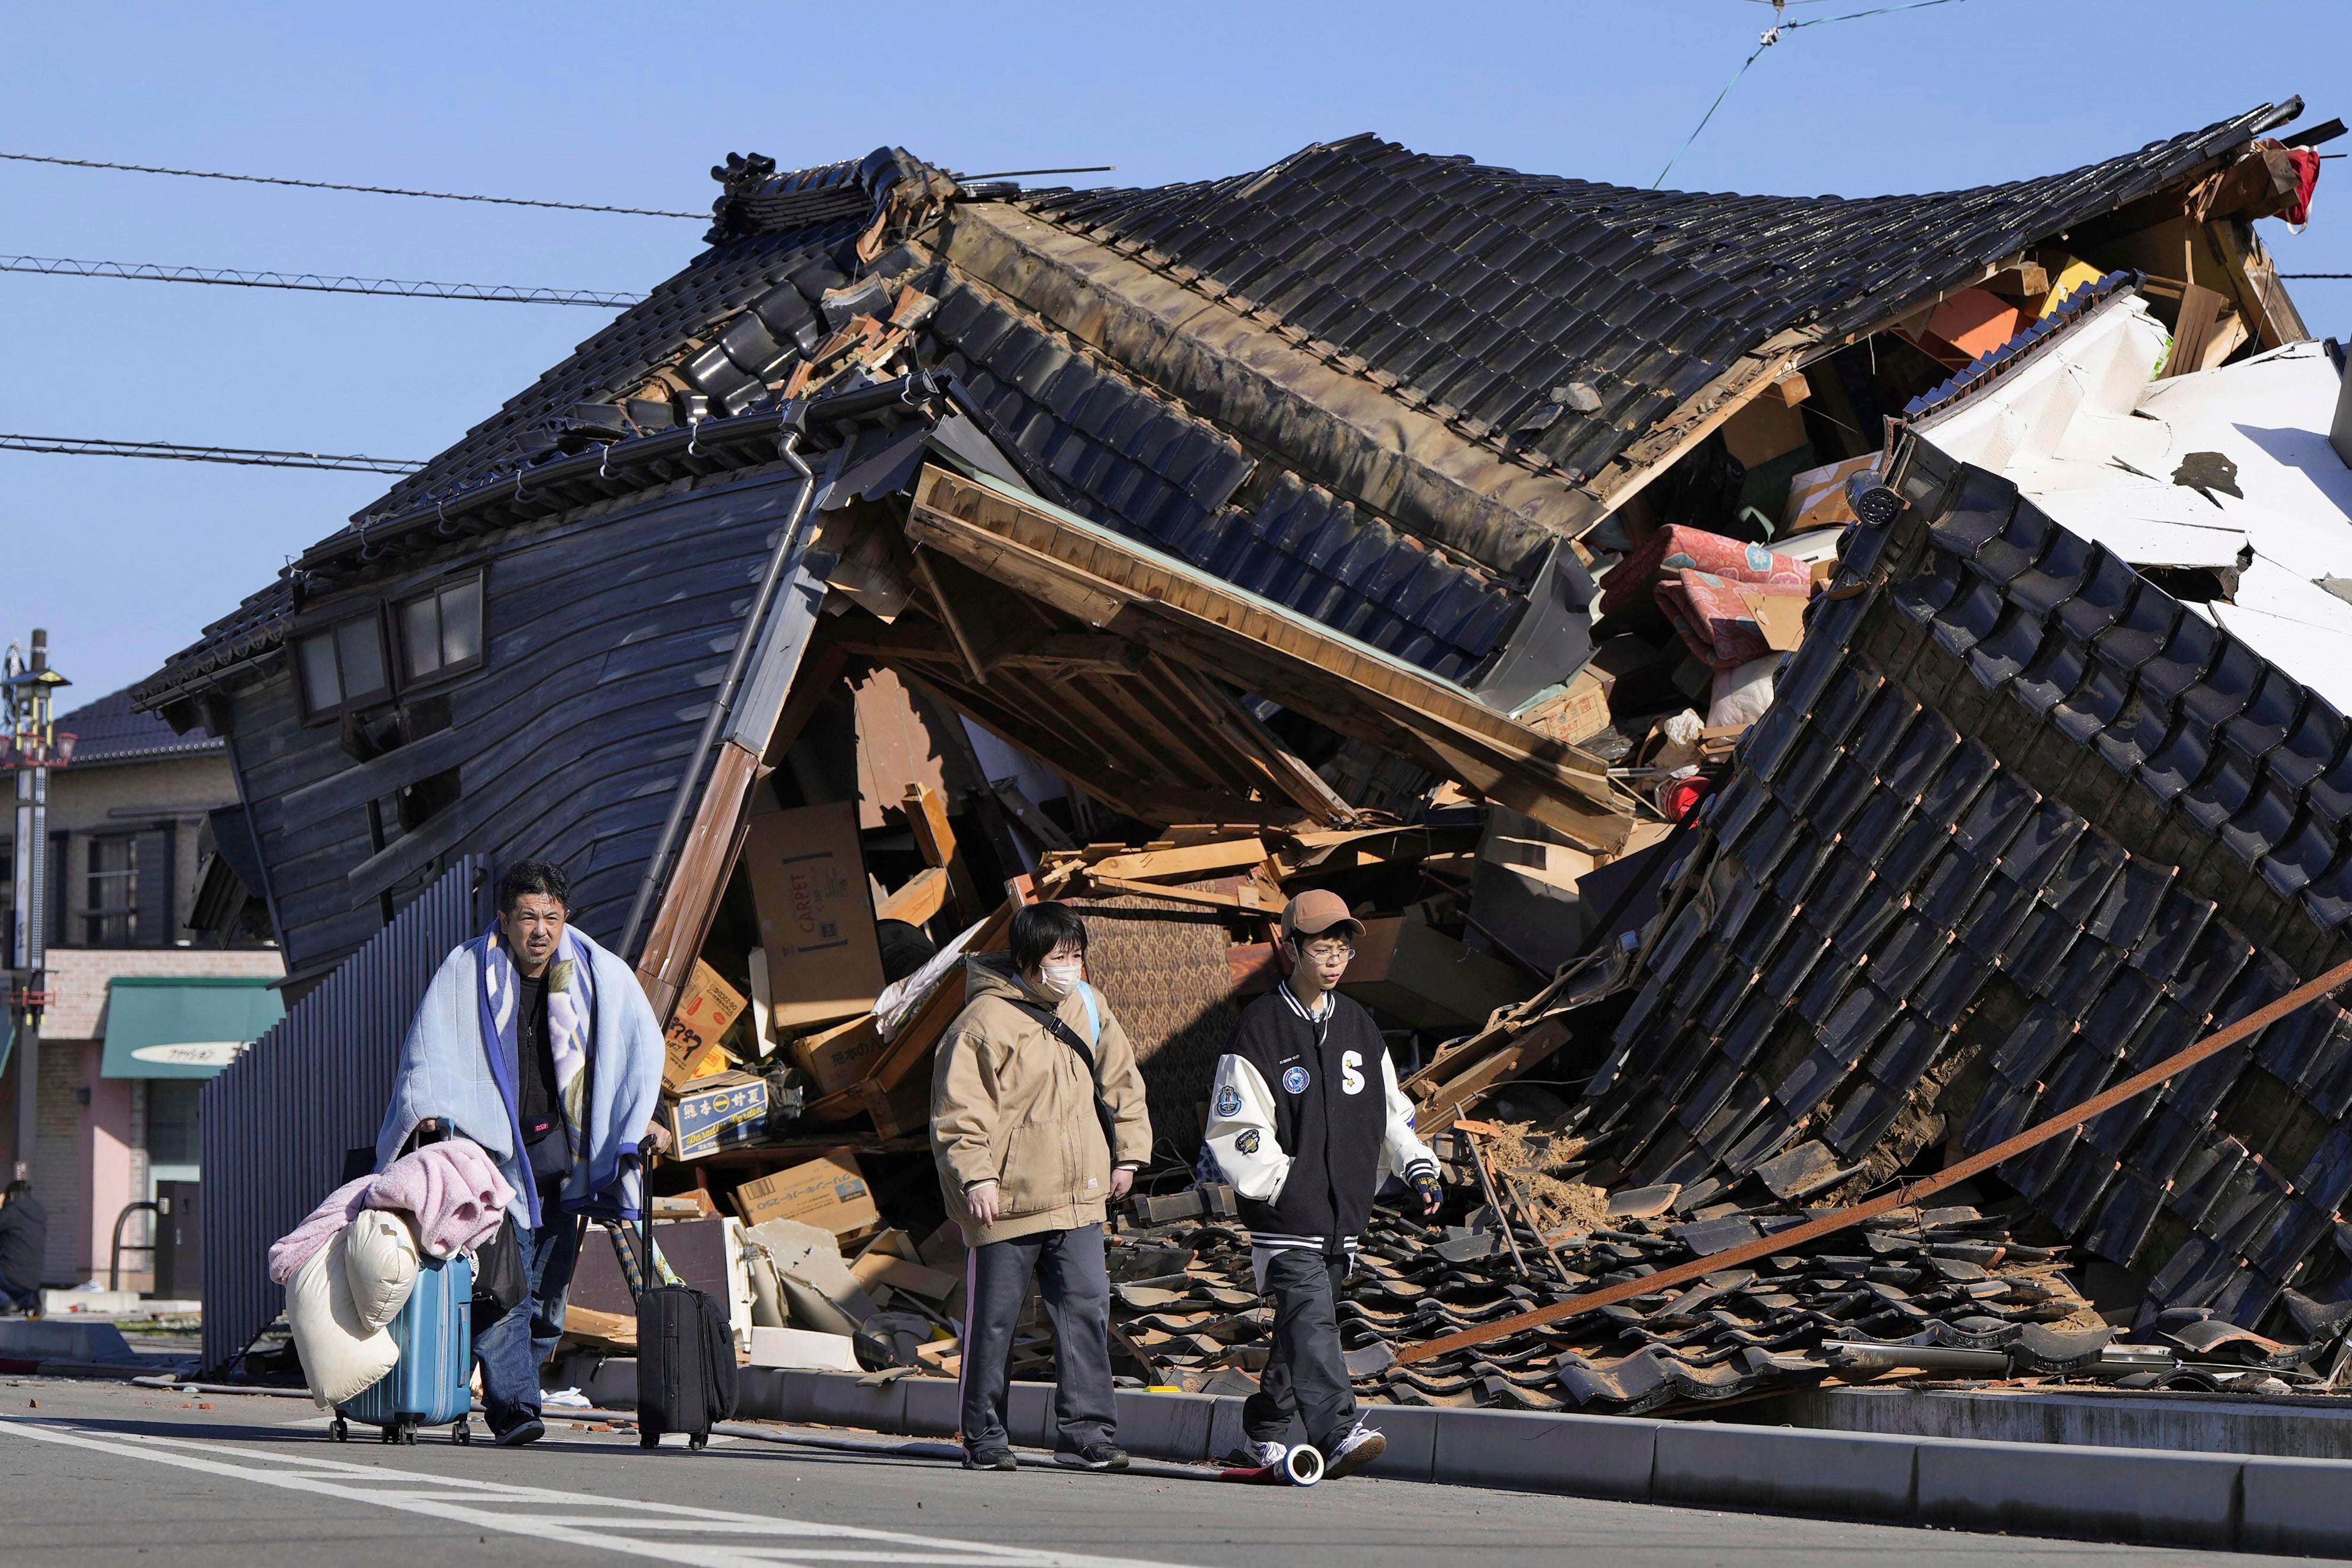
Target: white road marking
point(576, 1519)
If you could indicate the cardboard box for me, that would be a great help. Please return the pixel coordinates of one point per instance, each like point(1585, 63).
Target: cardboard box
point(1768, 426)
point(1779, 617)
point(881, 1268)
point(816, 914)
point(839, 1057)
point(1411, 973)
point(1817, 496)
point(830, 1193)
point(715, 1113)
point(704, 1009)
point(817, 1287)
point(1576, 713)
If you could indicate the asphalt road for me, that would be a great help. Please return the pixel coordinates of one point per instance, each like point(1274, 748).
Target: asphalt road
point(105, 1474)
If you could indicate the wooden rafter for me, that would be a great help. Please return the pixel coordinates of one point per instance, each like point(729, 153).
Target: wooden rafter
point(1111, 586)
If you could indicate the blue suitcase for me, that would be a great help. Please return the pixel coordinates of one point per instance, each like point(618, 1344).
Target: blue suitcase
point(431, 1384)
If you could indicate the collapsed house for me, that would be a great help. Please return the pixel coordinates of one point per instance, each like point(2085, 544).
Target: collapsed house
point(1171, 551)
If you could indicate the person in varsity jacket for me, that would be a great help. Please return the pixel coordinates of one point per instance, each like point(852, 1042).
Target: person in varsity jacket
point(1306, 1122)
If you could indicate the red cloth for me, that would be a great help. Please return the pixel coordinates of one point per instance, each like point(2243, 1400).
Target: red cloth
point(1707, 613)
point(1673, 549)
point(2307, 178)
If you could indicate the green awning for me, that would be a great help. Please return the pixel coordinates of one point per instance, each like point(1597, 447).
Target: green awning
point(184, 1027)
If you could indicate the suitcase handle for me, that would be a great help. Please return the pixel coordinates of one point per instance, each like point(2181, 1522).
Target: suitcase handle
point(643, 1156)
point(428, 1130)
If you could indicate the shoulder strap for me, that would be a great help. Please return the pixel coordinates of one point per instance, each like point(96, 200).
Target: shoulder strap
point(1094, 1011)
point(1058, 1029)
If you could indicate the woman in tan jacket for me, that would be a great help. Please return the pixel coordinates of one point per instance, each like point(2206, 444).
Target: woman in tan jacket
point(1038, 1125)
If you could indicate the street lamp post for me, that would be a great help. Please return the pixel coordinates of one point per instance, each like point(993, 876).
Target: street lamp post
point(29, 749)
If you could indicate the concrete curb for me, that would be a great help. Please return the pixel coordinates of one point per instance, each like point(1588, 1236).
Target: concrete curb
point(2149, 1496)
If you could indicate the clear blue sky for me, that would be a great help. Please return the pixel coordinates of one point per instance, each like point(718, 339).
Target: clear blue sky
point(125, 561)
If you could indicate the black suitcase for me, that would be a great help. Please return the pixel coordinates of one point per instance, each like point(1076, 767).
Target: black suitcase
point(685, 1354)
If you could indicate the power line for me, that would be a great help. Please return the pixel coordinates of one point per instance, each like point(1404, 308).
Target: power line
point(1773, 35)
point(2316, 274)
point(316, 284)
point(79, 447)
point(331, 186)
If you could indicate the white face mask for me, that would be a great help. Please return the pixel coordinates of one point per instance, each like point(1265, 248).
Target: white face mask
point(1060, 979)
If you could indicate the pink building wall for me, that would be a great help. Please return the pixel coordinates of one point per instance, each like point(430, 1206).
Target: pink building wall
point(105, 1160)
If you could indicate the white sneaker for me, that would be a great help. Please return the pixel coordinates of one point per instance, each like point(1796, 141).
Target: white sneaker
point(1359, 1448)
point(1253, 1455)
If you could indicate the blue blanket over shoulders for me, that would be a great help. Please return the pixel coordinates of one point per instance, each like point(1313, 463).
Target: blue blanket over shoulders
point(448, 1070)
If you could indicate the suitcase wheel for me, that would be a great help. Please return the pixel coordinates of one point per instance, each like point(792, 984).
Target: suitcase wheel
point(339, 1429)
point(699, 1441)
point(462, 1431)
point(649, 1438)
point(392, 1433)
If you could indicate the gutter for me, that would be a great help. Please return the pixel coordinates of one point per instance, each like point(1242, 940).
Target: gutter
point(795, 423)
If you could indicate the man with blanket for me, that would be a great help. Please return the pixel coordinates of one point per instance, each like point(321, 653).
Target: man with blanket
point(538, 1045)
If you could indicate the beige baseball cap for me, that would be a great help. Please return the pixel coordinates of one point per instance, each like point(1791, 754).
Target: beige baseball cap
point(1316, 912)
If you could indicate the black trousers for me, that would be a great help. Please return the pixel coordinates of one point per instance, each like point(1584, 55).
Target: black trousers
point(1305, 1373)
point(1068, 1266)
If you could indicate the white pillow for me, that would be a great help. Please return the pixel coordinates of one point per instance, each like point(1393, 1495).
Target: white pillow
point(340, 1354)
point(381, 1261)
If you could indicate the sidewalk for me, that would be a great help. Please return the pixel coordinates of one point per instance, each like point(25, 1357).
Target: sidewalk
point(2240, 1502)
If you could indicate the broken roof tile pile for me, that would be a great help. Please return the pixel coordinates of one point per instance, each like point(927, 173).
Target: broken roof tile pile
point(2016, 827)
point(1182, 1295)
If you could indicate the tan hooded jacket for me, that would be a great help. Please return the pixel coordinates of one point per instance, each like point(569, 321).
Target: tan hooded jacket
point(1012, 1104)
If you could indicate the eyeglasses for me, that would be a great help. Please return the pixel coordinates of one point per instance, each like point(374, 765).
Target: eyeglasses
point(1322, 952)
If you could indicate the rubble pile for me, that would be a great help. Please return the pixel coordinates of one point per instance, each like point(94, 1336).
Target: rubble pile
point(1184, 1302)
point(1829, 814)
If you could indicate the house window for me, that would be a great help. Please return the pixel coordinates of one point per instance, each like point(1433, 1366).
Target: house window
point(342, 667)
point(110, 891)
point(441, 631)
point(175, 1129)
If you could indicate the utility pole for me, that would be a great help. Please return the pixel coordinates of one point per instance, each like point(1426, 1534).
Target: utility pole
point(30, 748)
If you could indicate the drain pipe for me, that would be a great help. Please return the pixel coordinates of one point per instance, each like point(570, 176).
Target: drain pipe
point(795, 423)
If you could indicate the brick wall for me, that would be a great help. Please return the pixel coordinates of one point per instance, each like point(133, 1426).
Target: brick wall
point(79, 977)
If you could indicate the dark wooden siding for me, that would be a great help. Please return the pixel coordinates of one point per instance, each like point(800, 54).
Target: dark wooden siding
point(608, 631)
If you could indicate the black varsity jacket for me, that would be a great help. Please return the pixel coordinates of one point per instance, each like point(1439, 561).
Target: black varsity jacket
point(1306, 1120)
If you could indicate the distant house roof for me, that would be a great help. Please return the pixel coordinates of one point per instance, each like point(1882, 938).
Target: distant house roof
point(111, 731)
point(1349, 381)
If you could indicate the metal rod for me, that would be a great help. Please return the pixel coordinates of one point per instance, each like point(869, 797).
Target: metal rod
point(1902, 1197)
point(1527, 1213)
point(1016, 173)
point(657, 864)
point(1502, 1215)
point(114, 1260)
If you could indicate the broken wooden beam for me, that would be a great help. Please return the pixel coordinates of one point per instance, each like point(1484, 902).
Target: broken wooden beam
point(1905, 1196)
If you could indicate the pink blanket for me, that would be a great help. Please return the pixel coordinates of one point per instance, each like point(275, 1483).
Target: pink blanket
point(1714, 622)
point(452, 1192)
point(1670, 552)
